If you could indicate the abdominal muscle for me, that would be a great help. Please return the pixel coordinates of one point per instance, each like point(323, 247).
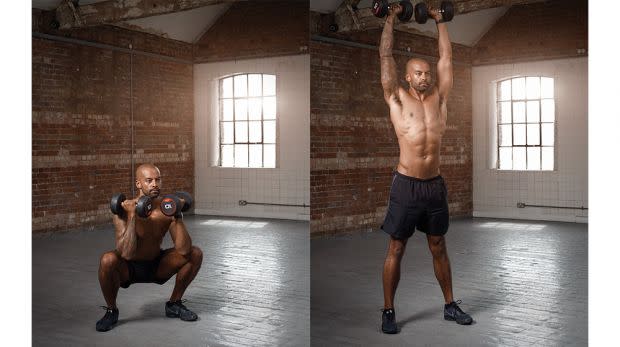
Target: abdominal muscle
point(419, 127)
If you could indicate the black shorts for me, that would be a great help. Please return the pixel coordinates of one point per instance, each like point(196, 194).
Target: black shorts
point(416, 203)
point(143, 271)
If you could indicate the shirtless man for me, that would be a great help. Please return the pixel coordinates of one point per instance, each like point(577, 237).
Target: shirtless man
point(138, 257)
point(418, 193)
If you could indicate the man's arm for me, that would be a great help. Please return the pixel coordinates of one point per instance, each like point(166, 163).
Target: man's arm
point(444, 65)
point(125, 231)
point(389, 78)
point(180, 237)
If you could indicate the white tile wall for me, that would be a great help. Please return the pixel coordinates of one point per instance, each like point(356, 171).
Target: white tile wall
point(218, 190)
point(496, 193)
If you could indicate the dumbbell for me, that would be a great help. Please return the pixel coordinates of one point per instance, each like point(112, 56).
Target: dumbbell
point(380, 9)
point(144, 205)
point(170, 203)
point(446, 10)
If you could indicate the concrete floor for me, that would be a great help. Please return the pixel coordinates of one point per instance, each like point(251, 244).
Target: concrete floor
point(253, 289)
point(524, 283)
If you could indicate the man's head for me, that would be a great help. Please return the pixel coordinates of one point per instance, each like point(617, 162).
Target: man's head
point(419, 74)
point(148, 180)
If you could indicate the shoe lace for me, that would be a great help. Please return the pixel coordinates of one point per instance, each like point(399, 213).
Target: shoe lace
point(456, 307)
point(180, 303)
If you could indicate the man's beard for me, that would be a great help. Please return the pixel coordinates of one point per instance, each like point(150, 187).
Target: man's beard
point(420, 88)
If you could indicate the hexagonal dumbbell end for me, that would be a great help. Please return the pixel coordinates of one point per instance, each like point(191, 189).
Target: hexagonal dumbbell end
point(144, 206)
point(169, 205)
point(116, 204)
point(187, 200)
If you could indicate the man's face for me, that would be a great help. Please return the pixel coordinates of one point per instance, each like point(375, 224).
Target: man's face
point(419, 75)
point(149, 182)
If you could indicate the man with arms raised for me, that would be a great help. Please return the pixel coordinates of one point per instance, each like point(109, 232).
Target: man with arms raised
point(138, 257)
point(418, 193)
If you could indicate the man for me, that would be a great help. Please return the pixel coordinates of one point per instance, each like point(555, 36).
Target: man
point(138, 257)
point(418, 192)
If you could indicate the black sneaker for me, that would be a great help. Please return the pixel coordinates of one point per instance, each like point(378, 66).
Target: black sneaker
point(109, 319)
point(388, 321)
point(453, 312)
point(177, 309)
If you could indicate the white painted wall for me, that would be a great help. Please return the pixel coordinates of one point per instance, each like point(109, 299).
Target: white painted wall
point(496, 193)
point(218, 190)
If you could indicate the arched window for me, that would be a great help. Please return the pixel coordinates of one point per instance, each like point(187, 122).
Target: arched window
point(526, 123)
point(247, 107)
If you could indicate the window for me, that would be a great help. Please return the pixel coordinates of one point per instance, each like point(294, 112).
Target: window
point(248, 121)
point(526, 123)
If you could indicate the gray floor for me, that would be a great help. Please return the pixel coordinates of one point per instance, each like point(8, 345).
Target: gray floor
point(525, 284)
point(253, 289)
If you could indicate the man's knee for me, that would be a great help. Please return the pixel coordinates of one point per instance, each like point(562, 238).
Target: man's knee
point(109, 261)
point(438, 246)
point(397, 248)
point(196, 255)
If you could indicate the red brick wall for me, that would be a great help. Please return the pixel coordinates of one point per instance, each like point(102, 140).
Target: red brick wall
point(353, 146)
point(256, 29)
point(81, 138)
point(539, 31)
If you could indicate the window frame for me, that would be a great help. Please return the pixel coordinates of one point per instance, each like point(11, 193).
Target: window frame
point(525, 122)
point(234, 121)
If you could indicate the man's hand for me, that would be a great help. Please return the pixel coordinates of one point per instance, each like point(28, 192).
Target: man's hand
point(435, 14)
point(129, 206)
point(394, 9)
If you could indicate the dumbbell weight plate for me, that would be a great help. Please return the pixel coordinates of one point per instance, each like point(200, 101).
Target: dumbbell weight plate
point(116, 203)
point(380, 8)
point(407, 12)
point(144, 207)
point(447, 11)
point(169, 204)
point(421, 13)
point(188, 200)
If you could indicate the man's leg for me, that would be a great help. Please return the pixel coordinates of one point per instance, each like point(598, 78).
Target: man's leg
point(391, 270)
point(186, 267)
point(441, 264)
point(113, 271)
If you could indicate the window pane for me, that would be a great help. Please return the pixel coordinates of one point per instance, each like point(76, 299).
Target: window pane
point(518, 88)
point(504, 112)
point(269, 107)
point(227, 109)
point(533, 87)
point(227, 156)
point(548, 134)
point(255, 131)
point(255, 108)
point(533, 158)
point(269, 129)
point(270, 156)
point(519, 134)
point(548, 110)
point(228, 136)
point(518, 158)
point(533, 112)
point(269, 85)
point(227, 87)
point(505, 158)
point(546, 89)
point(504, 90)
point(533, 135)
point(505, 135)
point(255, 85)
point(518, 112)
point(256, 155)
point(241, 131)
point(241, 85)
point(241, 109)
point(547, 158)
point(241, 155)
